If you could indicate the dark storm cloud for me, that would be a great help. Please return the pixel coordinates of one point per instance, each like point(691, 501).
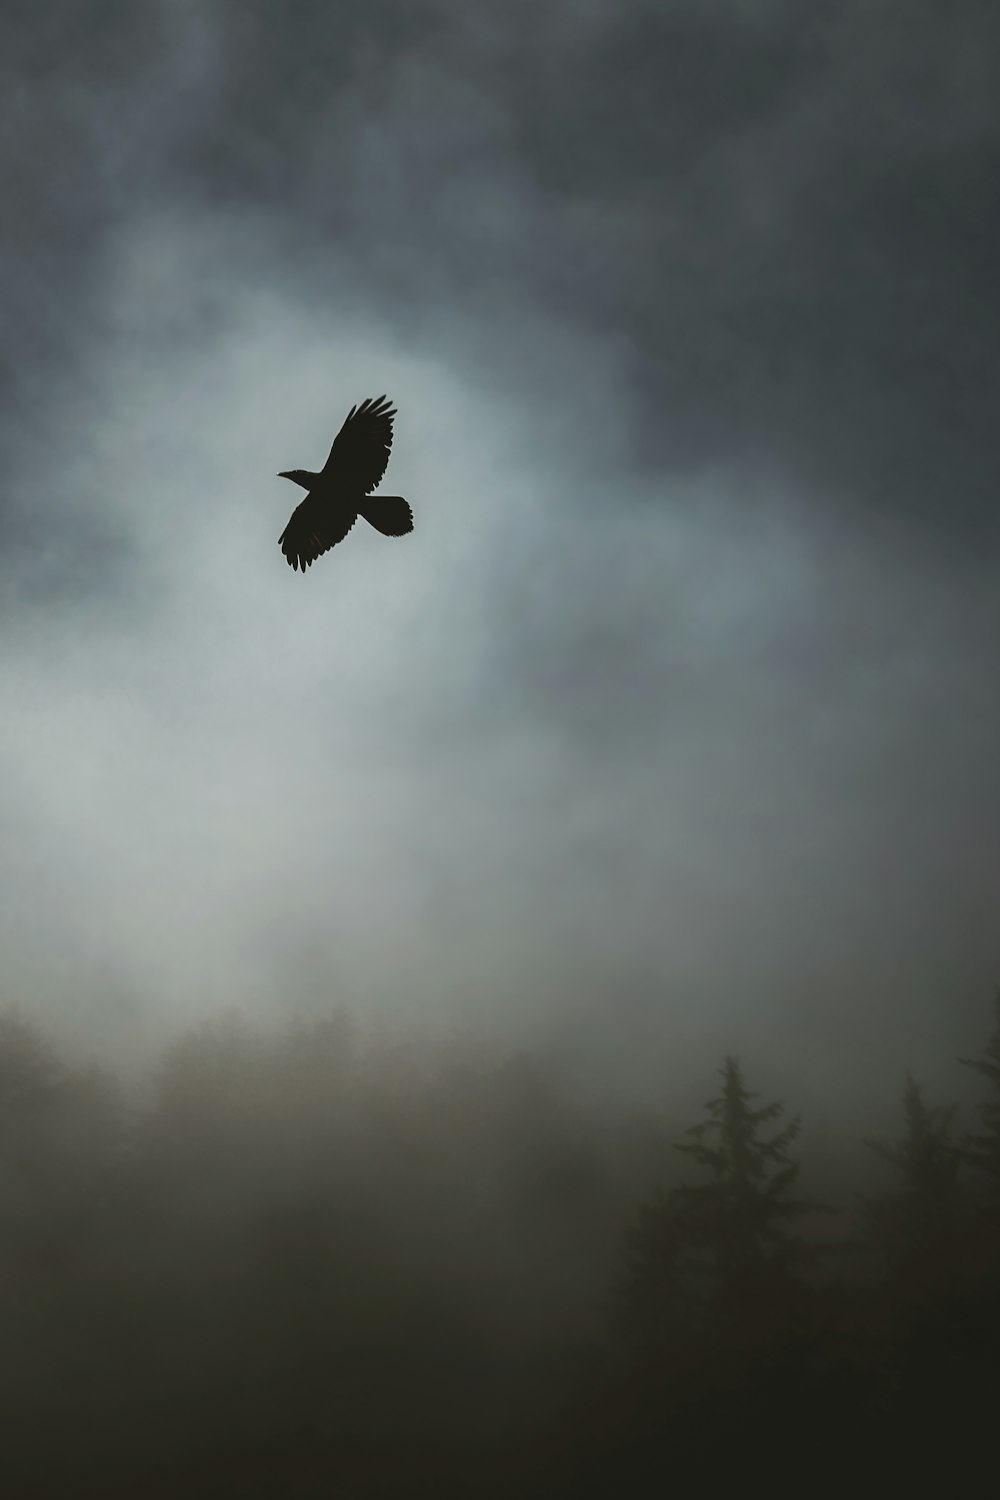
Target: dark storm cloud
point(788, 216)
point(808, 215)
point(83, 116)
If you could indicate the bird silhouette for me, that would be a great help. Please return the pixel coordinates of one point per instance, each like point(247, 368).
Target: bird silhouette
point(341, 491)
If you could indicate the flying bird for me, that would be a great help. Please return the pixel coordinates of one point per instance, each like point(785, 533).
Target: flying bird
point(341, 491)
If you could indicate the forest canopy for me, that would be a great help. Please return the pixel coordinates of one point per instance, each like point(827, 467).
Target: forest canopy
point(311, 1255)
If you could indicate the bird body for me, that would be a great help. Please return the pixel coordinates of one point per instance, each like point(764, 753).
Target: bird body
point(341, 491)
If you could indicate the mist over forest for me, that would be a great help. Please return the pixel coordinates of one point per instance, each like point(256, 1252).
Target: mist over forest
point(316, 1260)
point(372, 936)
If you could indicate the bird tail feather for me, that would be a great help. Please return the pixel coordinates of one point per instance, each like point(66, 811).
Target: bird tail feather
point(389, 514)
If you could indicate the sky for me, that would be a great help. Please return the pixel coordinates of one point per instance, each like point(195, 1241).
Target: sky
point(673, 727)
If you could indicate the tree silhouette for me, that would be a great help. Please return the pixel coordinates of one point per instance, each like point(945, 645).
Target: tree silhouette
point(719, 1329)
point(931, 1311)
point(913, 1218)
point(59, 1139)
point(730, 1234)
point(981, 1149)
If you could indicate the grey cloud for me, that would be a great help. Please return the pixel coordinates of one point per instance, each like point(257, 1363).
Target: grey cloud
point(789, 224)
point(682, 687)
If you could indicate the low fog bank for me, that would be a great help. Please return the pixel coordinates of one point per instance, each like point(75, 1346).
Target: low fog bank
point(323, 1253)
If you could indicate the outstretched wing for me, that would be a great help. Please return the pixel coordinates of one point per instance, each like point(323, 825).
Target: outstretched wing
point(360, 451)
point(314, 528)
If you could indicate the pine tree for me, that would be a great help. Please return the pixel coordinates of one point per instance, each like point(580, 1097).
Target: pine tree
point(732, 1232)
point(912, 1218)
point(981, 1149)
point(934, 1313)
point(741, 1215)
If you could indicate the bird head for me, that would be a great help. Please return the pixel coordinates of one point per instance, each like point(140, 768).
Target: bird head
point(298, 476)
